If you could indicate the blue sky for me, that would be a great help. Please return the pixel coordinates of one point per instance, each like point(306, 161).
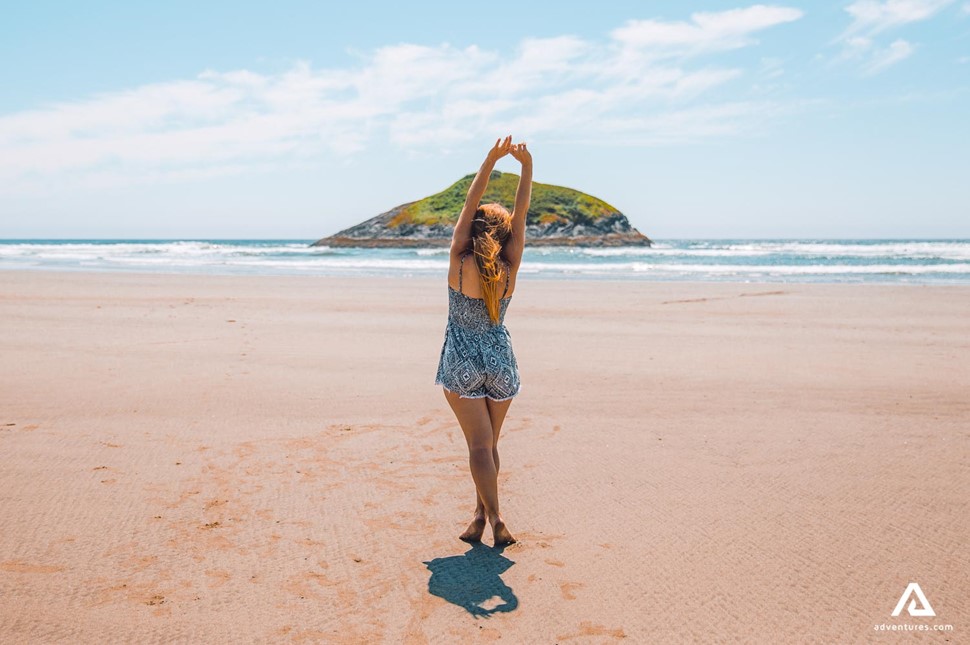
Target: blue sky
point(294, 120)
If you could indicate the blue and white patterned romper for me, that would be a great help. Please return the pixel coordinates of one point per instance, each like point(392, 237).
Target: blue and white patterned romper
point(477, 358)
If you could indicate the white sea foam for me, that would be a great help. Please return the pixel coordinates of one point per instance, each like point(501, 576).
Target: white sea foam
point(813, 260)
point(636, 251)
point(132, 249)
point(914, 250)
point(903, 249)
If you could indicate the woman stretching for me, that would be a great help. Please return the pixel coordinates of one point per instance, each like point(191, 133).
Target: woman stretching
point(477, 368)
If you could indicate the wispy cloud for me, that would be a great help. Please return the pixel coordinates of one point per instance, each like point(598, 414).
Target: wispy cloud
point(704, 32)
point(860, 40)
point(645, 83)
point(870, 16)
point(898, 50)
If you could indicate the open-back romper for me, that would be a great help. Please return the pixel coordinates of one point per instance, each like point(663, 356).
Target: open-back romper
point(477, 358)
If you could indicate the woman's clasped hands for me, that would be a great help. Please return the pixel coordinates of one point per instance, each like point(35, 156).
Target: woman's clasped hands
point(505, 146)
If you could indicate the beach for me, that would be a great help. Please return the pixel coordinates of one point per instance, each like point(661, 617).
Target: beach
point(206, 458)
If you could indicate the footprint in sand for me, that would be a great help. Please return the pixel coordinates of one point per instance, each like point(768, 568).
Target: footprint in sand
point(567, 589)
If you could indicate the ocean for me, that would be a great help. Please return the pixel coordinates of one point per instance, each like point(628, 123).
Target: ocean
point(915, 261)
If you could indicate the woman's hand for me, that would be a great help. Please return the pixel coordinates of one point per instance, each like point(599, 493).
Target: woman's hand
point(501, 148)
point(520, 153)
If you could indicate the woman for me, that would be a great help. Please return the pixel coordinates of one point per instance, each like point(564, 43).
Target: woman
point(477, 368)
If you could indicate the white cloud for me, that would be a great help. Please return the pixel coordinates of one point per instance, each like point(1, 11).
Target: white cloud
point(640, 85)
point(870, 18)
point(898, 50)
point(705, 31)
point(858, 43)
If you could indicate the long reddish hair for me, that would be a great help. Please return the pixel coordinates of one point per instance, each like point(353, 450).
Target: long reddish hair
point(491, 229)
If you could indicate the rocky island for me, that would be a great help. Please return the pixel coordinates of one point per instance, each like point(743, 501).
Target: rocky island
point(557, 216)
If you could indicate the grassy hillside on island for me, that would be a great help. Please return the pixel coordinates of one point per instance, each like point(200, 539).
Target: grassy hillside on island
point(549, 203)
point(557, 216)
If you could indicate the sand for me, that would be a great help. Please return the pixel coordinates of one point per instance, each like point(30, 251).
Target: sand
point(266, 459)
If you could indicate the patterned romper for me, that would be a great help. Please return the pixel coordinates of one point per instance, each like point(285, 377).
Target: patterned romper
point(476, 358)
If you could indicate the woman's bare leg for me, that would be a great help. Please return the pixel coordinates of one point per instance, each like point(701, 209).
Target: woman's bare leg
point(476, 424)
point(496, 412)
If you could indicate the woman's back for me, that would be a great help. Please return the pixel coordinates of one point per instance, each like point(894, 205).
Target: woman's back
point(463, 276)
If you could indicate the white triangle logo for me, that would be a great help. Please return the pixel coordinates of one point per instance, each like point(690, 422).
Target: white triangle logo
point(912, 589)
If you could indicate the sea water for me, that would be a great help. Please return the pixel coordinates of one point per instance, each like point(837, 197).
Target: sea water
point(916, 261)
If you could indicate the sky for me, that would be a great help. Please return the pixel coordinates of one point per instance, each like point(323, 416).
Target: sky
point(294, 120)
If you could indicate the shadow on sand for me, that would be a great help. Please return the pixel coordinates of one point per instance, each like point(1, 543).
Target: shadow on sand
point(472, 581)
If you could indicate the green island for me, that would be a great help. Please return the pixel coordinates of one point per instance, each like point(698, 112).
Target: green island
point(557, 216)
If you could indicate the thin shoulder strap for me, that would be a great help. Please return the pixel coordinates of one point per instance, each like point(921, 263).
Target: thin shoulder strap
point(508, 272)
point(461, 265)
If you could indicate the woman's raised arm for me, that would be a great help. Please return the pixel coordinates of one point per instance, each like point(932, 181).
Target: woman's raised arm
point(523, 197)
point(463, 228)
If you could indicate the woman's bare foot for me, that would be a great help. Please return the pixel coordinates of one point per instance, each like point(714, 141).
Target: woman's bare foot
point(500, 532)
point(474, 531)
